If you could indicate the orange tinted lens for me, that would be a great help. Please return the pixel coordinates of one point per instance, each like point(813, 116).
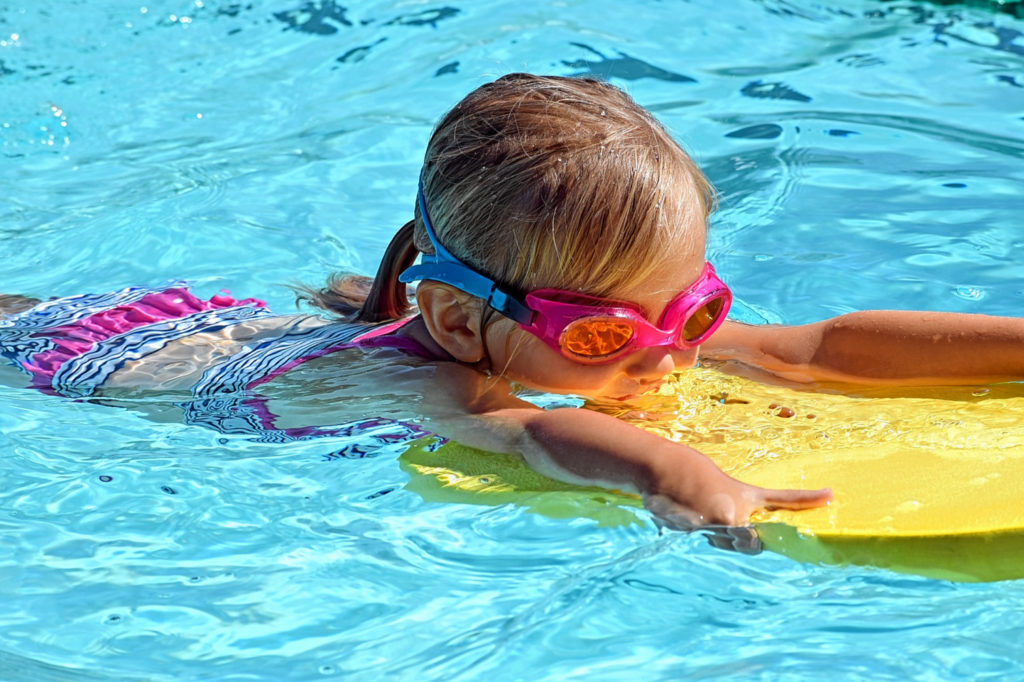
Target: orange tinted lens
point(596, 337)
point(700, 322)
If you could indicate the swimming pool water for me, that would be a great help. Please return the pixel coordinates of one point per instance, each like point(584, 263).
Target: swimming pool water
point(869, 154)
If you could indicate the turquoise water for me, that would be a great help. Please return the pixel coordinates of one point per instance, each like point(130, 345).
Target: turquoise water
point(869, 154)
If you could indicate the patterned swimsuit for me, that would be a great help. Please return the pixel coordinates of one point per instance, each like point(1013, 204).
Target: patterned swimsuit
point(71, 346)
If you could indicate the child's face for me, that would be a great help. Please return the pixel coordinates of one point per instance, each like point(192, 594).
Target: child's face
point(523, 358)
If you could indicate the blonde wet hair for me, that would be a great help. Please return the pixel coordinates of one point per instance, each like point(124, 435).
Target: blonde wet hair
point(543, 181)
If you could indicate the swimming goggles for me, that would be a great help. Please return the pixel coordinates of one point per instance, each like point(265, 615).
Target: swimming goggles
point(583, 328)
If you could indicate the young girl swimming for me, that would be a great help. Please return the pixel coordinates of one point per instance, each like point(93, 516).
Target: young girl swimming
point(561, 237)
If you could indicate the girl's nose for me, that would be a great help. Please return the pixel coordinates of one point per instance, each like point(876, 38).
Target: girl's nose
point(652, 363)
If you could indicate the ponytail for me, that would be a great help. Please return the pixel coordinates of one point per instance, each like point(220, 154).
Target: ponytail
point(357, 298)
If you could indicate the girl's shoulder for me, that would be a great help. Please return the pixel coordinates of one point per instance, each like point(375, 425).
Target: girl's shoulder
point(284, 344)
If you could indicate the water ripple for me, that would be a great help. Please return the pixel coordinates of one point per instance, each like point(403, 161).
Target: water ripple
point(868, 155)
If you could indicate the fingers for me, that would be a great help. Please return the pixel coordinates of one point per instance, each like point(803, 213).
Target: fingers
point(719, 509)
point(795, 499)
point(671, 514)
point(723, 510)
point(668, 514)
point(727, 511)
point(742, 539)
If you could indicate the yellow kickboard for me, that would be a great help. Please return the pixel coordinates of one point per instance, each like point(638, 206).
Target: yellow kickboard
point(927, 480)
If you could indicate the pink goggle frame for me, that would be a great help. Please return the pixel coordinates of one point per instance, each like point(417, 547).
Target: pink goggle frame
point(595, 330)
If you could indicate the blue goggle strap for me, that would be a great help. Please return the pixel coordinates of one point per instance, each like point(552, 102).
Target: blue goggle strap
point(442, 266)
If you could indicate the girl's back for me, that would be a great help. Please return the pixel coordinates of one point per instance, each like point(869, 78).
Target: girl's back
point(164, 339)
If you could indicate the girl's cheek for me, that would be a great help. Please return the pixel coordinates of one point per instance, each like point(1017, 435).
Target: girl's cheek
point(501, 344)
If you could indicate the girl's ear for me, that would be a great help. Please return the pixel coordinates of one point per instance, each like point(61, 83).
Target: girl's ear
point(453, 320)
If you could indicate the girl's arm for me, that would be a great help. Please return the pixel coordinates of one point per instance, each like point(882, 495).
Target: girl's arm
point(678, 483)
point(879, 347)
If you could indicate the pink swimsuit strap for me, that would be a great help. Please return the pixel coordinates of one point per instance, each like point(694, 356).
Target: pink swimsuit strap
point(384, 337)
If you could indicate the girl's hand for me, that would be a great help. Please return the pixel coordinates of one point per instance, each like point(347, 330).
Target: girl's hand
point(711, 498)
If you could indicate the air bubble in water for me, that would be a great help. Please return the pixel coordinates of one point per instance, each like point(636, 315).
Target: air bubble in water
point(970, 293)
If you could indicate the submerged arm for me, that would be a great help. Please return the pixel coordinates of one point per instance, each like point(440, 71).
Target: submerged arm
point(880, 346)
point(576, 445)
